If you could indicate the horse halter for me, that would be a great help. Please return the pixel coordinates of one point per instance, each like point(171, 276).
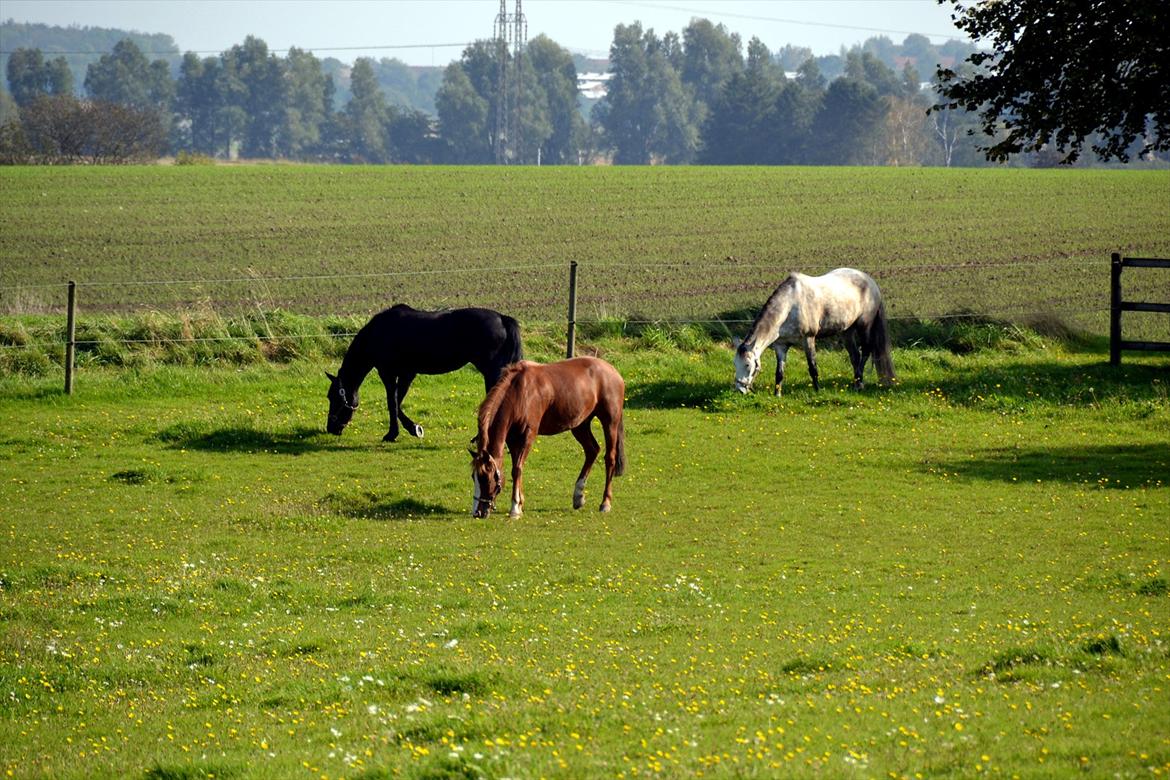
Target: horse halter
point(744, 384)
point(488, 504)
point(345, 401)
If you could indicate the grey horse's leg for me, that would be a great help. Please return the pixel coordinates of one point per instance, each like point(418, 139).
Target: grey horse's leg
point(856, 356)
point(810, 353)
point(781, 358)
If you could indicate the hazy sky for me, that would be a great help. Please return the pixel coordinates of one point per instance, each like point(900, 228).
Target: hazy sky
point(433, 32)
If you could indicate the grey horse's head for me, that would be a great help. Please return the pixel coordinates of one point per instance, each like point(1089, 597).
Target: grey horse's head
point(747, 365)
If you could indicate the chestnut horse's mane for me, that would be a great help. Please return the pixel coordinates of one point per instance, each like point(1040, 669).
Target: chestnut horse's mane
point(491, 402)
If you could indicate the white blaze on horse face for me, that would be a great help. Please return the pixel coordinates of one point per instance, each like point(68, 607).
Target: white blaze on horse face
point(474, 492)
point(747, 365)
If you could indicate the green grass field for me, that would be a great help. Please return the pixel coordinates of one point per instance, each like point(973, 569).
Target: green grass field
point(966, 574)
point(667, 242)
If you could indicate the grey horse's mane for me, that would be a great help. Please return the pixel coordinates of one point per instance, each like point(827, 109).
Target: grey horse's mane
point(769, 318)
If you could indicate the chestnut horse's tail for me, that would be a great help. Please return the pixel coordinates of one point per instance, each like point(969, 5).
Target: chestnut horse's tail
point(620, 464)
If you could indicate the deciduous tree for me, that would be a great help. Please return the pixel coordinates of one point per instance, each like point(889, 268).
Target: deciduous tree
point(1066, 74)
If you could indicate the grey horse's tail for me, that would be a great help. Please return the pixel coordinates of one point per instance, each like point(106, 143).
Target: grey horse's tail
point(879, 345)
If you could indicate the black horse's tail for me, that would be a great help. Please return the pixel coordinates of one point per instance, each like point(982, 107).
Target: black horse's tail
point(879, 345)
point(513, 349)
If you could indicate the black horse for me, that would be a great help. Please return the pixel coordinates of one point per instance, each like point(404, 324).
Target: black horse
point(402, 342)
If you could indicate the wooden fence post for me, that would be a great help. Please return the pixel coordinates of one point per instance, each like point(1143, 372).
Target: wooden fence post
point(1115, 310)
point(70, 336)
point(571, 338)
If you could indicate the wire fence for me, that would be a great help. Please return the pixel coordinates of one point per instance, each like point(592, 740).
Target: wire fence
point(713, 294)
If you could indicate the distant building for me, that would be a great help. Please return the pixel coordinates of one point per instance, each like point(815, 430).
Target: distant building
point(593, 86)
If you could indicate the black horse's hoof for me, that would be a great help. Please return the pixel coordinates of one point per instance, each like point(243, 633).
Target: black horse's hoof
point(418, 431)
point(390, 437)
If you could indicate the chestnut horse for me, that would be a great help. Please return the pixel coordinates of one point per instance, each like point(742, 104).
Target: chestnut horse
point(533, 399)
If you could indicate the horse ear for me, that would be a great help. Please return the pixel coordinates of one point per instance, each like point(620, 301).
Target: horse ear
point(330, 377)
point(736, 342)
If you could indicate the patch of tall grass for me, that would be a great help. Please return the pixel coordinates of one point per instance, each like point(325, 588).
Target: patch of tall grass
point(35, 345)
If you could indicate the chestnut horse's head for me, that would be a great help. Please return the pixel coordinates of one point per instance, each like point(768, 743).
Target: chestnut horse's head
point(486, 483)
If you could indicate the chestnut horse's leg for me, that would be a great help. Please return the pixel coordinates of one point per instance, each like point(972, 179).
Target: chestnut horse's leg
point(519, 450)
point(584, 436)
point(611, 427)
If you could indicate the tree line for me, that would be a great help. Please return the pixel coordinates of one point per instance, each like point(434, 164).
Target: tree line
point(690, 98)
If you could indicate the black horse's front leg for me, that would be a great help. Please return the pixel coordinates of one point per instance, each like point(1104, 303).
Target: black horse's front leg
point(391, 383)
point(413, 428)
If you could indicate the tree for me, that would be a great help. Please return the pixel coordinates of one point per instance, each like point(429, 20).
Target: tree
point(9, 111)
point(307, 107)
point(792, 121)
point(464, 118)
point(120, 133)
point(739, 126)
point(124, 76)
point(1065, 74)
point(848, 125)
point(30, 77)
point(366, 115)
point(867, 67)
point(258, 90)
point(710, 57)
point(556, 75)
point(196, 104)
point(647, 112)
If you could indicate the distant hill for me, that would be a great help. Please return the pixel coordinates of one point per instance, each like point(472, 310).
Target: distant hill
point(413, 87)
point(80, 46)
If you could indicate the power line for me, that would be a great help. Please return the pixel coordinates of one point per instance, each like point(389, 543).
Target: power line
point(778, 20)
point(387, 46)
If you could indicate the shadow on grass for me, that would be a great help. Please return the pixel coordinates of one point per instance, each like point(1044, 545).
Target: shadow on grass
point(675, 395)
point(1115, 466)
point(241, 439)
point(371, 506)
point(1057, 382)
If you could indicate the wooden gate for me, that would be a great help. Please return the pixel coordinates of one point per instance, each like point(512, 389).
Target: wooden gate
point(1117, 306)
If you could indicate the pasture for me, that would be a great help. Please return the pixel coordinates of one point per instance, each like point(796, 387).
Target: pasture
point(965, 574)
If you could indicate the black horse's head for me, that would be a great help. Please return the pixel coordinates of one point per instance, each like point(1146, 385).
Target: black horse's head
point(341, 405)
